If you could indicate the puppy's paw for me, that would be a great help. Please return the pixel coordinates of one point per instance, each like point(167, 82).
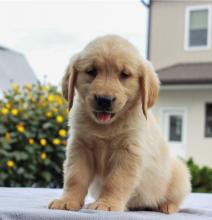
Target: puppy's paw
point(105, 206)
point(65, 204)
point(169, 208)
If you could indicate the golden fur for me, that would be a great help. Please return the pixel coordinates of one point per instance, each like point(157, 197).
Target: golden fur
point(125, 162)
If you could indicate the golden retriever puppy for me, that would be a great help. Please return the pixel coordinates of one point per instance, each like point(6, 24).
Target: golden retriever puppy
point(115, 145)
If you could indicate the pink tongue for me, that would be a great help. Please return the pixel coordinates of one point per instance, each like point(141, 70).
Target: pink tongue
point(103, 117)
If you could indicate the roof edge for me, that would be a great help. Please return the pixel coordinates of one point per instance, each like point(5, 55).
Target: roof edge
point(10, 50)
point(181, 63)
point(185, 82)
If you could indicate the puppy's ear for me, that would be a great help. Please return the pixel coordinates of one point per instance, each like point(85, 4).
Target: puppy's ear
point(68, 82)
point(149, 84)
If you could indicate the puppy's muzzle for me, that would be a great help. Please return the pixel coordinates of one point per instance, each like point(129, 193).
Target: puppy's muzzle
point(104, 103)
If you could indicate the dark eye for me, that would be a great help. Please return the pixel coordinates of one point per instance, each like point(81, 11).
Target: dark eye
point(123, 75)
point(91, 72)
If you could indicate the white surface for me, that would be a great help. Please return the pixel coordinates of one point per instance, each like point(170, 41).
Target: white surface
point(31, 204)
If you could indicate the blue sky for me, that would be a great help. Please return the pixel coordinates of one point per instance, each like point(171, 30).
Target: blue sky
point(50, 32)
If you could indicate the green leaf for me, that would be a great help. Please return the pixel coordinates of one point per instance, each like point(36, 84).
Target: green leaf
point(46, 175)
point(3, 129)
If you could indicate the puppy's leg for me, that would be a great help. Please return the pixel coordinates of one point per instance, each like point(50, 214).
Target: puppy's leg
point(119, 183)
point(78, 173)
point(179, 187)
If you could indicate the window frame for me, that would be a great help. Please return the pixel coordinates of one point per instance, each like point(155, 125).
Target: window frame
point(206, 136)
point(189, 9)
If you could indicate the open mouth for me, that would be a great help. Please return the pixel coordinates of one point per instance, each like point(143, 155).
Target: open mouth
point(104, 117)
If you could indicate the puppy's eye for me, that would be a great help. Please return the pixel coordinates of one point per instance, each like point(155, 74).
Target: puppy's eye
point(123, 75)
point(91, 72)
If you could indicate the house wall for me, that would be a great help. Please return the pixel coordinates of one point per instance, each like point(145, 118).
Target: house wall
point(197, 146)
point(167, 34)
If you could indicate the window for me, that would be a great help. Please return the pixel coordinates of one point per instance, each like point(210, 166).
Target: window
point(208, 120)
point(175, 125)
point(198, 27)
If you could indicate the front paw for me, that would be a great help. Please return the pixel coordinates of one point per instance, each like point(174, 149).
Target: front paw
point(65, 204)
point(106, 206)
point(168, 208)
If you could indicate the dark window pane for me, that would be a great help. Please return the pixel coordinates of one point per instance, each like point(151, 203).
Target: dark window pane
point(208, 123)
point(198, 37)
point(175, 126)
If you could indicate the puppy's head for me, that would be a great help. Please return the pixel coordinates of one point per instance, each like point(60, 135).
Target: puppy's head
point(110, 76)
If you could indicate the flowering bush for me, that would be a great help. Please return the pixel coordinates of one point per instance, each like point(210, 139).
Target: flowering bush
point(33, 130)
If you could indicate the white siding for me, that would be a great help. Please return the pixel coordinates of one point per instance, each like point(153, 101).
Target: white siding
point(197, 145)
point(168, 31)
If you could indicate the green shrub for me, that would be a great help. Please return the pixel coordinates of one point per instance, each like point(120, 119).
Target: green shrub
point(201, 177)
point(33, 130)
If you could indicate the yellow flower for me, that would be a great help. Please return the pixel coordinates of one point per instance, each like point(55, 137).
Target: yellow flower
point(43, 103)
point(43, 155)
point(28, 86)
point(8, 105)
point(4, 111)
point(43, 141)
point(48, 114)
point(59, 100)
point(10, 163)
point(56, 141)
point(31, 141)
point(7, 136)
point(20, 128)
point(14, 111)
point(45, 88)
point(62, 132)
point(59, 119)
point(50, 98)
point(55, 110)
point(15, 87)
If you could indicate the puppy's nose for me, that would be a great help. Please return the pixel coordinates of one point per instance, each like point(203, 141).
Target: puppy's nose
point(104, 103)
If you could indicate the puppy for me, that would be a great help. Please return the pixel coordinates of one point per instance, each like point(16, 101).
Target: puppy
point(115, 146)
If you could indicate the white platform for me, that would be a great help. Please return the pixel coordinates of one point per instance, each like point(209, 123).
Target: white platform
point(31, 204)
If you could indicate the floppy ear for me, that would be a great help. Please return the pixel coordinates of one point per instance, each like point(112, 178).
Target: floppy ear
point(68, 82)
point(149, 84)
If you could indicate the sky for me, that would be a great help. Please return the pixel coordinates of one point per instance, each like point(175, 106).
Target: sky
point(48, 33)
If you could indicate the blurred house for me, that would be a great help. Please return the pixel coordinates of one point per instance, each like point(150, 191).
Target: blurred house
point(14, 68)
point(180, 48)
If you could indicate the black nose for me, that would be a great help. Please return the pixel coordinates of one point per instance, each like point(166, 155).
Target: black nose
point(104, 103)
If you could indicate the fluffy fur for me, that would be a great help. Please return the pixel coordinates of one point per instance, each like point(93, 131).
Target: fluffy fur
point(125, 161)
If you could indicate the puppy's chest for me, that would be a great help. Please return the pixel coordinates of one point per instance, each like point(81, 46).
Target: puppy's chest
point(102, 155)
